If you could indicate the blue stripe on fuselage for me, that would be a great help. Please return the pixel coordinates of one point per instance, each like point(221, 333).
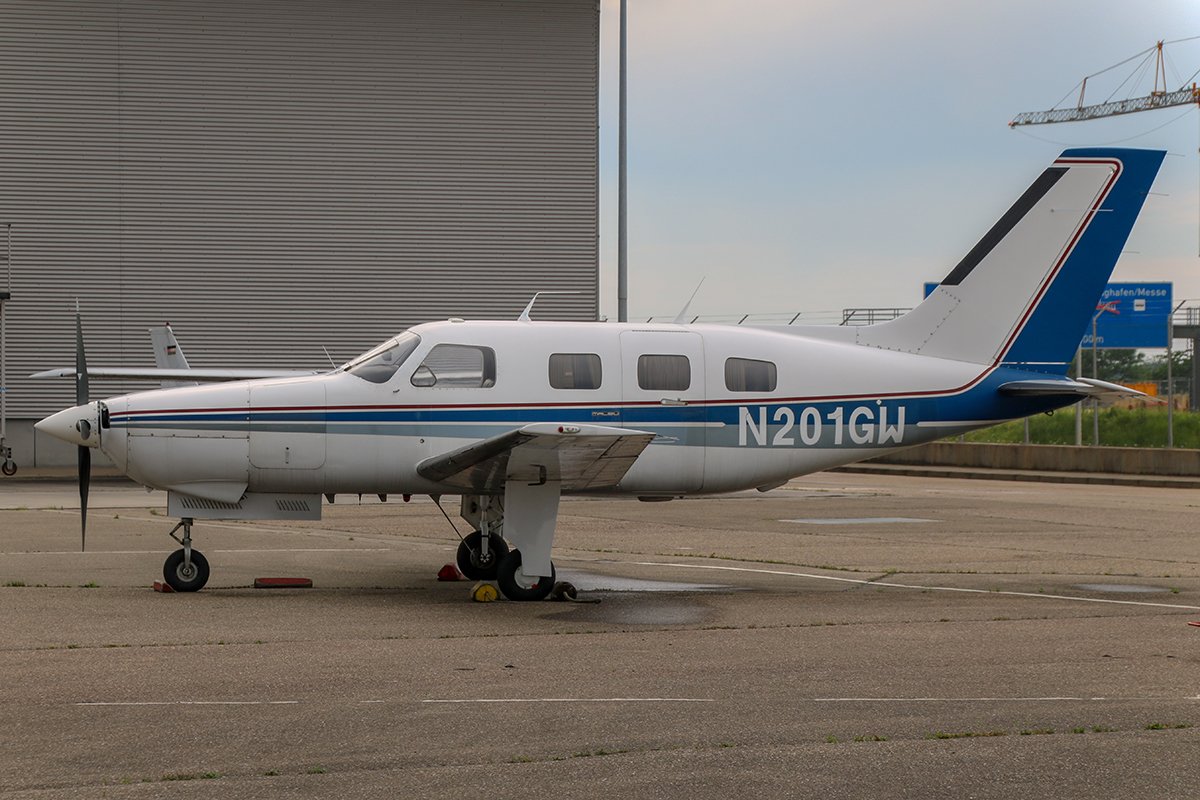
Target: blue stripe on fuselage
point(723, 419)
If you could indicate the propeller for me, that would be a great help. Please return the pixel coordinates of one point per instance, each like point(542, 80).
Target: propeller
point(85, 453)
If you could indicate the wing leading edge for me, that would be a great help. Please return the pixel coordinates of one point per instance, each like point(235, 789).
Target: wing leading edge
point(199, 375)
point(579, 457)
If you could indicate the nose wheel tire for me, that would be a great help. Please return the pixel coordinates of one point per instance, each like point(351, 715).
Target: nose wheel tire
point(186, 577)
point(473, 563)
point(516, 585)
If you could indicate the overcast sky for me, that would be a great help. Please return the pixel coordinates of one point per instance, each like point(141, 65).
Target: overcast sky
point(817, 155)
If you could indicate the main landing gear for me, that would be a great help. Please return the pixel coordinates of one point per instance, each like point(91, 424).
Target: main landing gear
point(524, 570)
point(516, 585)
point(185, 570)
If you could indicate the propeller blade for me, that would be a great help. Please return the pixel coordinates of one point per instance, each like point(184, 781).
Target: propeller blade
point(85, 453)
point(81, 376)
point(85, 480)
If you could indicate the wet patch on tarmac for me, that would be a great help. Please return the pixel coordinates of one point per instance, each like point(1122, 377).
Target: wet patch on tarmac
point(590, 582)
point(631, 601)
point(637, 608)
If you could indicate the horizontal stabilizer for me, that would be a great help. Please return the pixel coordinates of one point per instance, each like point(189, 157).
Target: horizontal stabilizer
point(1067, 387)
point(191, 374)
point(580, 457)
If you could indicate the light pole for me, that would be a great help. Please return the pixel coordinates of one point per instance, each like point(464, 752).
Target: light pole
point(622, 225)
point(1095, 376)
point(1079, 405)
point(1171, 375)
point(1110, 306)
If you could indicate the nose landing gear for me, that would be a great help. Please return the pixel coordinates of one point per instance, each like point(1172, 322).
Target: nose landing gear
point(479, 555)
point(185, 570)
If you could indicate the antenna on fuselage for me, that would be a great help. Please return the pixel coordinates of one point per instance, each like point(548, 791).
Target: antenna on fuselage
point(681, 317)
point(525, 314)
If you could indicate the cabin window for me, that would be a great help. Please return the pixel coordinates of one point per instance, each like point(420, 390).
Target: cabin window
point(575, 371)
point(457, 366)
point(380, 364)
point(664, 373)
point(749, 375)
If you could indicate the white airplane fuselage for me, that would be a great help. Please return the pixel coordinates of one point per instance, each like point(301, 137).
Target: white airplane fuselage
point(832, 403)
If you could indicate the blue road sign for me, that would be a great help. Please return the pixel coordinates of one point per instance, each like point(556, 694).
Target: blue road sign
point(1131, 315)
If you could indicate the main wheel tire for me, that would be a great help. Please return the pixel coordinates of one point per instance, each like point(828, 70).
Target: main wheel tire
point(470, 560)
point(183, 579)
point(516, 585)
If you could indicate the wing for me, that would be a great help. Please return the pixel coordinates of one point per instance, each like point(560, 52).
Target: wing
point(190, 374)
point(581, 457)
point(171, 367)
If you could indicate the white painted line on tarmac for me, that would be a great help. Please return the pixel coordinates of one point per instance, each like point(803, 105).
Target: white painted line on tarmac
point(857, 520)
point(306, 550)
point(578, 700)
point(197, 703)
point(271, 549)
point(229, 525)
point(862, 582)
point(247, 527)
point(996, 699)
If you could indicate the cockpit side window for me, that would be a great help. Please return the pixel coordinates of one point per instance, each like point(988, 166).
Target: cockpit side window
point(457, 366)
point(380, 364)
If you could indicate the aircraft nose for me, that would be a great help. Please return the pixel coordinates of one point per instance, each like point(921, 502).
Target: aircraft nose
point(78, 425)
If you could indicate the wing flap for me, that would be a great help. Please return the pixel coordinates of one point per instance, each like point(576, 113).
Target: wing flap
point(580, 457)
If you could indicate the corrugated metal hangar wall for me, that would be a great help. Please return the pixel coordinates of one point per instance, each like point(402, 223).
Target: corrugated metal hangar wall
point(274, 176)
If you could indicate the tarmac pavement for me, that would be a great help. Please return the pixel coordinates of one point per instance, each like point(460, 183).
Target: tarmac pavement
point(844, 636)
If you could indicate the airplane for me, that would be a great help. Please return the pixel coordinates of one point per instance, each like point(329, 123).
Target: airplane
point(511, 415)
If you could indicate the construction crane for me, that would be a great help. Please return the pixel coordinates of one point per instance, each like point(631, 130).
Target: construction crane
point(1158, 98)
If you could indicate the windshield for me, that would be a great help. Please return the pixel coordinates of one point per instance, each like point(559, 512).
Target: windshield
point(380, 364)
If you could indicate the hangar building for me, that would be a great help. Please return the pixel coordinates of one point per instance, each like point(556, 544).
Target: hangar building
point(274, 177)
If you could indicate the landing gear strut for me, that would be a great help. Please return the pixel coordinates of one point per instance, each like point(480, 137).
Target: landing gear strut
point(522, 520)
point(185, 570)
point(480, 551)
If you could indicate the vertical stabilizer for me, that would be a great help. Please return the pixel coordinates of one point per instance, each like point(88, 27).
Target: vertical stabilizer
point(168, 354)
point(1025, 293)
